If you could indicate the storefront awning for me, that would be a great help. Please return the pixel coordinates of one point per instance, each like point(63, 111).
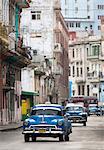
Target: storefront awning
point(30, 93)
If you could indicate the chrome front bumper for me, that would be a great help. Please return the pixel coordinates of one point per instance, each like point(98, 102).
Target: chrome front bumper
point(41, 132)
point(76, 119)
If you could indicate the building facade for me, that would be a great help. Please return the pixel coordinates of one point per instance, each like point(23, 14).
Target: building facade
point(86, 67)
point(13, 57)
point(46, 33)
point(83, 15)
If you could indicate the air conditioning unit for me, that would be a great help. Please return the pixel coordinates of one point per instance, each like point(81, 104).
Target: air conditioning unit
point(35, 52)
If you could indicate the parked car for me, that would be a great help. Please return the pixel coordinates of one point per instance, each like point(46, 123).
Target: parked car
point(93, 110)
point(76, 113)
point(100, 110)
point(47, 120)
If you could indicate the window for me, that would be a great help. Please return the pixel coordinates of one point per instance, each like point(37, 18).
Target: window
point(66, 1)
point(87, 52)
point(95, 50)
point(66, 12)
point(99, 27)
point(79, 90)
point(88, 91)
point(77, 63)
point(36, 15)
point(76, 52)
point(78, 24)
point(73, 71)
point(81, 71)
point(73, 54)
point(69, 71)
point(88, 7)
point(83, 90)
point(77, 72)
point(94, 85)
point(71, 24)
point(87, 71)
point(101, 7)
point(76, 9)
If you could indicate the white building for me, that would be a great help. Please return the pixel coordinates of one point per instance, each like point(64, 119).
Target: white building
point(83, 14)
point(41, 24)
point(86, 69)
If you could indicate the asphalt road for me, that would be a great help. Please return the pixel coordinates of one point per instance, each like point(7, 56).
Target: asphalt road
point(90, 137)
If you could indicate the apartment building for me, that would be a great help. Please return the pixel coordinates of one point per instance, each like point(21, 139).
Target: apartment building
point(13, 57)
point(46, 33)
point(86, 69)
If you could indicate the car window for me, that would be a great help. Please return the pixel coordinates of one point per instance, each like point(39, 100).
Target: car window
point(46, 112)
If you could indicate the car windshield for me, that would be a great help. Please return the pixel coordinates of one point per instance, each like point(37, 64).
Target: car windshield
point(93, 107)
point(75, 108)
point(46, 112)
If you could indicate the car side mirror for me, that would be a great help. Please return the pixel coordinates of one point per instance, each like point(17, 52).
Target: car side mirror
point(64, 111)
point(28, 115)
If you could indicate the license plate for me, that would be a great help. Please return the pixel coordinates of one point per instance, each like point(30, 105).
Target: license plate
point(74, 119)
point(42, 130)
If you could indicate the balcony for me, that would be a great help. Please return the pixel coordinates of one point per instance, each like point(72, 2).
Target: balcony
point(58, 70)
point(95, 77)
point(93, 57)
point(80, 80)
point(23, 3)
point(3, 36)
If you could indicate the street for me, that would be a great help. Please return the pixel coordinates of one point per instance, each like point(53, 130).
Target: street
point(90, 137)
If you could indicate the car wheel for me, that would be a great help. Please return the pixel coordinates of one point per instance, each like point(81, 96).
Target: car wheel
point(33, 138)
point(26, 138)
point(84, 123)
point(61, 138)
point(66, 137)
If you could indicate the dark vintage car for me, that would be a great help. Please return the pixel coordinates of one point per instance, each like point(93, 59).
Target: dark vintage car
point(93, 110)
point(76, 113)
point(47, 120)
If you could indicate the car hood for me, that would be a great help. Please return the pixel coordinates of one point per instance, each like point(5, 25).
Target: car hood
point(44, 119)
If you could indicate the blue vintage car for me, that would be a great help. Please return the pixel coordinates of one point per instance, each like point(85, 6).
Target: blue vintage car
point(76, 113)
point(47, 120)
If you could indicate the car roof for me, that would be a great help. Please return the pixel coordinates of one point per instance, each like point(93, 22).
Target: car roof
point(72, 104)
point(47, 106)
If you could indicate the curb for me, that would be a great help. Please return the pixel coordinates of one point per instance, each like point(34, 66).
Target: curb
point(10, 128)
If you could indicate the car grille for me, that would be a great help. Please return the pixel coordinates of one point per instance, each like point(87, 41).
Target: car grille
point(76, 117)
point(43, 126)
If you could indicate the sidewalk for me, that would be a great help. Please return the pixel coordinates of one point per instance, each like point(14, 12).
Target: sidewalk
point(11, 126)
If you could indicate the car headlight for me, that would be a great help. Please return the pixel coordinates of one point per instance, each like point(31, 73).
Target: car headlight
point(25, 123)
point(60, 122)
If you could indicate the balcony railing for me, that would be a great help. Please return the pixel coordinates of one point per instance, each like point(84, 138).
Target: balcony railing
point(93, 57)
point(95, 77)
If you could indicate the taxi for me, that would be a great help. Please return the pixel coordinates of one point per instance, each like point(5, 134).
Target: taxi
point(47, 120)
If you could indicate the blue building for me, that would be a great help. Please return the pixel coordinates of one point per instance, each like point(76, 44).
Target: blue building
point(83, 15)
point(70, 89)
